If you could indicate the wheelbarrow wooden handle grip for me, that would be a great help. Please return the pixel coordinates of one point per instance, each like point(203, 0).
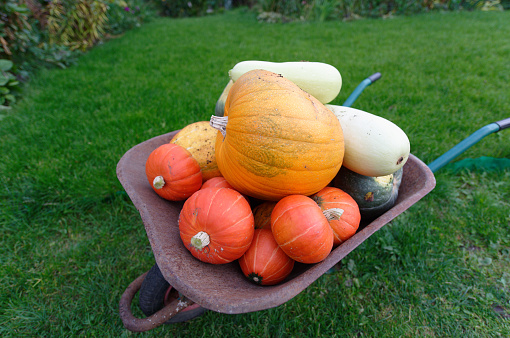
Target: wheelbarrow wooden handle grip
point(145, 324)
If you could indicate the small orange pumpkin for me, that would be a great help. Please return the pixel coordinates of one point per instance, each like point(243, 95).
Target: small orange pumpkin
point(218, 182)
point(216, 225)
point(301, 229)
point(275, 139)
point(172, 172)
point(341, 210)
point(264, 262)
point(262, 214)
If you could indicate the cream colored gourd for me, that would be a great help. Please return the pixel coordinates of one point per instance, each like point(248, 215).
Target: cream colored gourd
point(219, 109)
point(374, 146)
point(321, 80)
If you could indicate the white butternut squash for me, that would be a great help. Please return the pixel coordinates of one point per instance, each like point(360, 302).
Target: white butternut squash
point(374, 146)
point(321, 80)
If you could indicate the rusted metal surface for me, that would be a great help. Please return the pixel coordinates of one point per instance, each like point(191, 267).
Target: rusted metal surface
point(223, 288)
point(145, 324)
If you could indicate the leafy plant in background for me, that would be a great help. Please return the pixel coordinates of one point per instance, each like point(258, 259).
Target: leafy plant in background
point(77, 24)
point(25, 42)
point(291, 8)
point(125, 15)
point(8, 84)
point(322, 10)
point(186, 8)
point(14, 28)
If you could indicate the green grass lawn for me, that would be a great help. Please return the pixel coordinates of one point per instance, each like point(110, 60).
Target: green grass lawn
point(72, 241)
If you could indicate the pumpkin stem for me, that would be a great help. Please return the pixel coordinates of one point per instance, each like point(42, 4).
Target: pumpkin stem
point(200, 240)
point(255, 277)
point(333, 214)
point(158, 182)
point(220, 123)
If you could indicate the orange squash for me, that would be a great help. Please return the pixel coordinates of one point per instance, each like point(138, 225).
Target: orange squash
point(264, 262)
point(218, 182)
point(216, 225)
point(172, 172)
point(301, 229)
point(262, 214)
point(341, 210)
point(275, 139)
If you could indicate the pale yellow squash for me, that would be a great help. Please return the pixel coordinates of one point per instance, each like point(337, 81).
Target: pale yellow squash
point(199, 139)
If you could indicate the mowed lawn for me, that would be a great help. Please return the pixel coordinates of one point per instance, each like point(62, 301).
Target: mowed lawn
point(72, 241)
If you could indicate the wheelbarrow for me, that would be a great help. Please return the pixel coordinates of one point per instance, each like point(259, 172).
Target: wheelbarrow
point(197, 286)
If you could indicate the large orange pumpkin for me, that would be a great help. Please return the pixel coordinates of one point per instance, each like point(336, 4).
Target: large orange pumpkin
point(341, 210)
point(301, 229)
point(265, 262)
point(278, 140)
point(216, 225)
point(172, 172)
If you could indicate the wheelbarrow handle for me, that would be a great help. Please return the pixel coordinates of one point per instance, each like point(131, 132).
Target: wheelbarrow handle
point(503, 124)
point(359, 89)
point(374, 77)
point(468, 142)
point(145, 324)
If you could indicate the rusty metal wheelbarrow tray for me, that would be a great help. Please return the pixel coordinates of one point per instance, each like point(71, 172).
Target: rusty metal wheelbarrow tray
point(223, 288)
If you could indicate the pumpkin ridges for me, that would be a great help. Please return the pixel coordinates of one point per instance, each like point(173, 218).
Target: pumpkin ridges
point(179, 171)
point(270, 113)
point(240, 199)
point(274, 276)
point(248, 215)
point(299, 134)
point(346, 226)
point(305, 257)
point(290, 208)
point(225, 260)
point(244, 126)
point(256, 239)
point(265, 262)
point(308, 184)
point(188, 218)
point(246, 142)
point(208, 213)
point(200, 213)
point(311, 228)
point(217, 182)
point(181, 160)
point(180, 180)
point(271, 277)
point(273, 253)
point(289, 223)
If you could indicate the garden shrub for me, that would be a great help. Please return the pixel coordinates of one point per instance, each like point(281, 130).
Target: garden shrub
point(321, 10)
point(14, 27)
point(128, 14)
point(77, 24)
point(8, 84)
point(49, 33)
point(186, 8)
